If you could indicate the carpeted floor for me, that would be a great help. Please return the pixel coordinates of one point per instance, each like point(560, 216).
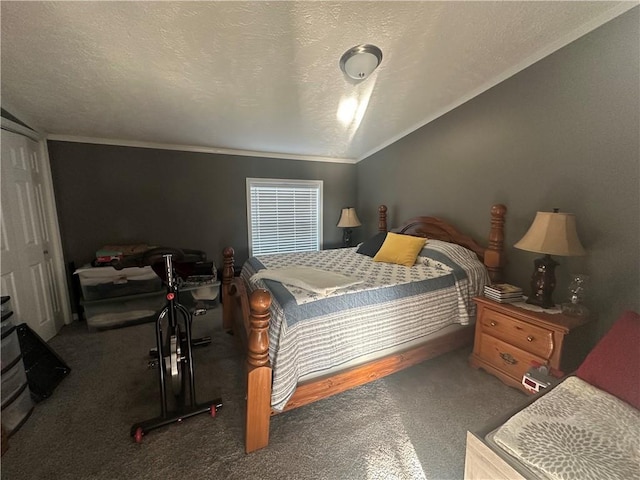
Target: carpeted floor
point(410, 425)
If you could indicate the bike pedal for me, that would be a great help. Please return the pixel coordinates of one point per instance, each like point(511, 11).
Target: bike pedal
point(153, 352)
point(199, 311)
point(201, 342)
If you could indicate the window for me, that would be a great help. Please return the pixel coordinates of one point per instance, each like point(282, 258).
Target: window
point(284, 215)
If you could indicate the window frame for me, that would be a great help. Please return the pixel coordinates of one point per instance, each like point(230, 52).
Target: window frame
point(284, 183)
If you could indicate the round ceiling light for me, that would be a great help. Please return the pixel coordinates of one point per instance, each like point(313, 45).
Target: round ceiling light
point(359, 62)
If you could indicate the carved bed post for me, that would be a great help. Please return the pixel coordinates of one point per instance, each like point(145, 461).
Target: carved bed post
point(382, 218)
point(494, 255)
point(258, 373)
point(227, 277)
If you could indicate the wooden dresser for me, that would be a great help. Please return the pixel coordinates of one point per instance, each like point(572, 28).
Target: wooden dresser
point(509, 339)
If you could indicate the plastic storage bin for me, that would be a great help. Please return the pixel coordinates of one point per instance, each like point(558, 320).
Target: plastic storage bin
point(199, 293)
point(12, 382)
point(17, 412)
point(99, 283)
point(10, 348)
point(123, 311)
point(5, 304)
point(7, 322)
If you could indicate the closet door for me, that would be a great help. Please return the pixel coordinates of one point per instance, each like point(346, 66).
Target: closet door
point(27, 270)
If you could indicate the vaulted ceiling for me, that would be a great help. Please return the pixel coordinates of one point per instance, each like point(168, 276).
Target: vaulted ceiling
point(263, 78)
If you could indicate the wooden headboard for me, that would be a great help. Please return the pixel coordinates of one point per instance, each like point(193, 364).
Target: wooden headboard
point(432, 227)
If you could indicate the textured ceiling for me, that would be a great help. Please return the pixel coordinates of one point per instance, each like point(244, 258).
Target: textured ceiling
point(263, 77)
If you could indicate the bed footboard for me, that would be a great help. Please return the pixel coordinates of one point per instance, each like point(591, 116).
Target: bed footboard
point(258, 373)
point(248, 318)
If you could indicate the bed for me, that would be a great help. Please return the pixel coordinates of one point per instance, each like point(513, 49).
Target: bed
point(304, 343)
point(586, 427)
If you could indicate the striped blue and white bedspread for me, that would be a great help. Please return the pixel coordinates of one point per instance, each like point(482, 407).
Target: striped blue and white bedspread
point(394, 304)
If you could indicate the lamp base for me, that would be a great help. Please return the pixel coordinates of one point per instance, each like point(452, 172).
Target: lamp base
point(543, 282)
point(346, 237)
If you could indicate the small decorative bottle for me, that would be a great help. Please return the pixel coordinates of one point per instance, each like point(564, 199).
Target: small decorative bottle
point(577, 289)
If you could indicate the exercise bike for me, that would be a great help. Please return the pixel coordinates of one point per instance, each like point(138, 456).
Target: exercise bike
point(173, 353)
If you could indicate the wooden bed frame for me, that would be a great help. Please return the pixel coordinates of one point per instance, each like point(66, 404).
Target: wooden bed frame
point(248, 317)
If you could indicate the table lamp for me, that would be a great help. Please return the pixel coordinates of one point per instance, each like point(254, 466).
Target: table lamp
point(348, 221)
point(551, 233)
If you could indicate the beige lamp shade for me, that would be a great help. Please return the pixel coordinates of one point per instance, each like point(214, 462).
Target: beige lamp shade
point(349, 218)
point(552, 233)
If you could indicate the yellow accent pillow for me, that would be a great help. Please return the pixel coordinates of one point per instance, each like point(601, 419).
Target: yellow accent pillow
point(400, 249)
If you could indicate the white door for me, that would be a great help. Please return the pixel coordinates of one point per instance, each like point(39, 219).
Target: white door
point(27, 268)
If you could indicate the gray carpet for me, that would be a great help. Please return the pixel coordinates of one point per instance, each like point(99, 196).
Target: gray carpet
point(410, 425)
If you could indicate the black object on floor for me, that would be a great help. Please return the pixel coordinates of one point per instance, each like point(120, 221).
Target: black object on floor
point(44, 368)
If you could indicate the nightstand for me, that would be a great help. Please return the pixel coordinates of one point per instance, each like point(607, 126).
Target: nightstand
point(509, 339)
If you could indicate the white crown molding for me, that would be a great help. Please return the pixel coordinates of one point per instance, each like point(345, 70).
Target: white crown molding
point(196, 149)
point(14, 127)
point(32, 126)
point(527, 62)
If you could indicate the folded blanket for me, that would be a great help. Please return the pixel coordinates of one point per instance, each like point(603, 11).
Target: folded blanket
point(309, 278)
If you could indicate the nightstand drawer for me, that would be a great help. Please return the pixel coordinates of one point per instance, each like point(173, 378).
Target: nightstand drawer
point(507, 358)
point(531, 338)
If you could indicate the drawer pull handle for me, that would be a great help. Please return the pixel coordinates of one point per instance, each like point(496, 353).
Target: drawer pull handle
point(530, 338)
point(508, 358)
point(493, 324)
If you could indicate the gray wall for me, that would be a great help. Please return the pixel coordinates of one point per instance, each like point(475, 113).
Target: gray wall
point(110, 194)
point(562, 133)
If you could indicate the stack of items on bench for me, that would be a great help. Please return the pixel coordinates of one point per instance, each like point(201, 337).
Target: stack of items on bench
point(115, 298)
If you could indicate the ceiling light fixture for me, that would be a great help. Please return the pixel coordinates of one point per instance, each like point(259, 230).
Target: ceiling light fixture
point(360, 61)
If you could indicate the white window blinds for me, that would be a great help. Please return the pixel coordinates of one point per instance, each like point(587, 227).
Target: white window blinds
point(284, 215)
